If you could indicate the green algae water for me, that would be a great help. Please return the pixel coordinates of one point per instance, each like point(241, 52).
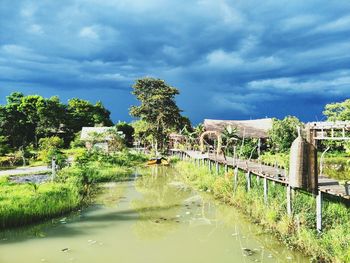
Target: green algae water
point(151, 218)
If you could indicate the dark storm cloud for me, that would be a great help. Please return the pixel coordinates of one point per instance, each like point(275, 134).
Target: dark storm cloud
point(230, 59)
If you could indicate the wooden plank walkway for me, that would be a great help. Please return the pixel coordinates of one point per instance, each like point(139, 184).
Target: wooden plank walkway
point(325, 184)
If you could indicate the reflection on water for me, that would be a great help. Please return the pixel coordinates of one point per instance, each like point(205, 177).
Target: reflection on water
point(154, 218)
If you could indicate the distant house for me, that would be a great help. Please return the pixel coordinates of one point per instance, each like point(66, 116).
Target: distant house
point(97, 137)
point(257, 128)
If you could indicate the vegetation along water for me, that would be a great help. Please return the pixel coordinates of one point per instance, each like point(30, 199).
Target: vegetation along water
point(153, 217)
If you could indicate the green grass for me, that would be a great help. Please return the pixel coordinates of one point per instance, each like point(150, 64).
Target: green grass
point(298, 231)
point(22, 204)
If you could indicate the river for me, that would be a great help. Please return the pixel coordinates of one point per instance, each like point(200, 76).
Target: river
point(151, 218)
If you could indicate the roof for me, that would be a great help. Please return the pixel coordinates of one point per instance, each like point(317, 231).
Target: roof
point(249, 128)
point(87, 131)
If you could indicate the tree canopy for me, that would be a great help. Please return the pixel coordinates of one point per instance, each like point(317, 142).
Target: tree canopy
point(158, 109)
point(339, 111)
point(283, 133)
point(26, 119)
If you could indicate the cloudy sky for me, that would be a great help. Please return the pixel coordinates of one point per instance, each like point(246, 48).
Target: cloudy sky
point(230, 59)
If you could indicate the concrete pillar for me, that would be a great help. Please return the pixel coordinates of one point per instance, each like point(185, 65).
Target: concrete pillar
point(289, 200)
point(53, 168)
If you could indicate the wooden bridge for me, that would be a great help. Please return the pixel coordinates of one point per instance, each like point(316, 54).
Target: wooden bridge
point(279, 175)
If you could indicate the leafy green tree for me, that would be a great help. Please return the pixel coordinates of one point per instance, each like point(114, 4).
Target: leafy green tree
point(128, 131)
point(229, 138)
point(4, 146)
point(158, 109)
point(82, 113)
point(13, 121)
point(338, 111)
point(52, 118)
point(51, 148)
point(283, 133)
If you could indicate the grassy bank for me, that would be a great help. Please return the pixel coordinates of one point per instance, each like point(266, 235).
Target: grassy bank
point(298, 231)
point(22, 204)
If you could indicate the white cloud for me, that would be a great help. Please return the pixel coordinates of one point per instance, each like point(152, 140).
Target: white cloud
point(341, 24)
point(88, 32)
point(35, 29)
point(299, 22)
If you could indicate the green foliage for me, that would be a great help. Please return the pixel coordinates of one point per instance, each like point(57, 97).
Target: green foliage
point(26, 119)
point(4, 146)
point(77, 142)
point(128, 131)
point(82, 113)
point(338, 111)
point(282, 159)
point(283, 133)
point(158, 109)
point(51, 148)
point(22, 204)
point(248, 149)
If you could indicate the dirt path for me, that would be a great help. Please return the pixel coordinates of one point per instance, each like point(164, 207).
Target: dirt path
point(25, 170)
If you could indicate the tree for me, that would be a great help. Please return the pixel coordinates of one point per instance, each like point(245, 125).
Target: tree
point(81, 113)
point(128, 131)
point(158, 109)
point(13, 121)
point(338, 111)
point(51, 148)
point(283, 133)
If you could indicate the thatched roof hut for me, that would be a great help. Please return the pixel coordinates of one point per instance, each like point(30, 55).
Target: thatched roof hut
point(248, 128)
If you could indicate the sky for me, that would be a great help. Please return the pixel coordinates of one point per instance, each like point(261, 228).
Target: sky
point(237, 59)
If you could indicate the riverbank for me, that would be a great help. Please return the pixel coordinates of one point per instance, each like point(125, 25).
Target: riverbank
point(155, 213)
point(297, 232)
point(73, 187)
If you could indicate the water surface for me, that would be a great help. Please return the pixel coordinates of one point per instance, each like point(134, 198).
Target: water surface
point(154, 218)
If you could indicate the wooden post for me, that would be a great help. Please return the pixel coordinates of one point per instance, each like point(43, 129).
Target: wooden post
point(289, 200)
point(217, 167)
point(235, 178)
point(248, 175)
point(258, 180)
point(319, 211)
point(265, 190)
point(53, 168)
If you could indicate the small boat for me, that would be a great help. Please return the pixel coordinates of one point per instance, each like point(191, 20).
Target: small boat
point(159, 160)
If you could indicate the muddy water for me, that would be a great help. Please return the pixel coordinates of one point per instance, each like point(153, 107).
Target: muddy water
point(154, 218)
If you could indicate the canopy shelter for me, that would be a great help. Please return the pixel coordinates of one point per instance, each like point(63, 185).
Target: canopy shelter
point(245, 129)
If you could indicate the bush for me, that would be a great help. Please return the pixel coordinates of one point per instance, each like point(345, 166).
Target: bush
point(51, 148)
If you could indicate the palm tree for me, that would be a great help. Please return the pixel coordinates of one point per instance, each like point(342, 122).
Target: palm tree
point(229, 137)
